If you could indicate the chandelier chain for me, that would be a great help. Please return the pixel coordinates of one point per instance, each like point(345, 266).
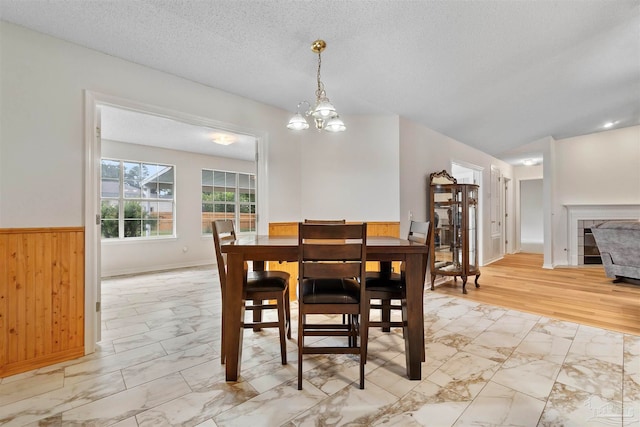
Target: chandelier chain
point(320, 93)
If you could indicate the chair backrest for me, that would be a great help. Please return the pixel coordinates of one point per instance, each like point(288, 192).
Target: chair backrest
point(332, 250)
point(223, 231)
point(420, 232)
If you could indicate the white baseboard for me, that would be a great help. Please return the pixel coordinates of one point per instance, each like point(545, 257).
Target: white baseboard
point(532, 247)
point(151, 269)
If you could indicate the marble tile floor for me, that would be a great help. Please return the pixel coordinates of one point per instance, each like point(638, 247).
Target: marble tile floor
point(158, 364)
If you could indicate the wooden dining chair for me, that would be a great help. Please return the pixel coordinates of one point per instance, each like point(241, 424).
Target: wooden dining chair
point(331, 268)
point(388, 286)
point(260, 287)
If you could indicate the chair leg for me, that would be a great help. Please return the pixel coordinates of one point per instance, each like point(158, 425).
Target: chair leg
point(287, 312)
point(353, 330)
point(362, 362)
point(222, 352)
point(424, 351)
point(364, 338)
point(257, 315)
point(282, 318)
point(386, 315)
point(300, 346)
point(364, 329)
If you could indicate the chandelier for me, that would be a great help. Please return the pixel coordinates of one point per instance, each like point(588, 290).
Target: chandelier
point(324, 113)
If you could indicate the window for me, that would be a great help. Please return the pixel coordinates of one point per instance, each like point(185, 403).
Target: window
point(229, 195)
point(137, 199)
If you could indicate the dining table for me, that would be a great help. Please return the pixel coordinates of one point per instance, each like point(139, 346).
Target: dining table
point(260, 248)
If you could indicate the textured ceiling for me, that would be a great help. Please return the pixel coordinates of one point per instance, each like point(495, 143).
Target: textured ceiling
point(496, 75)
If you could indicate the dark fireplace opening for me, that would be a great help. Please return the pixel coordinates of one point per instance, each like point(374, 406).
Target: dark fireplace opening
point(591, 252)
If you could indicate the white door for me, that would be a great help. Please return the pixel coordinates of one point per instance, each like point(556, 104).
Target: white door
point(496, 214)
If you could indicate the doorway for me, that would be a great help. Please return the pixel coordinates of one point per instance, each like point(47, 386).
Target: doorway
point(178, 245)
point(531, 216)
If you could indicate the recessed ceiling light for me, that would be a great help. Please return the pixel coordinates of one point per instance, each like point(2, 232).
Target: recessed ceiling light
point(609, 124)
point(529, 162)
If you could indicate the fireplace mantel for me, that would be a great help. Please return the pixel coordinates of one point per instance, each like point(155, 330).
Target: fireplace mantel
point(589, 212)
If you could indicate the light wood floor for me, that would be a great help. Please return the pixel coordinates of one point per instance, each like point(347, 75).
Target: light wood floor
point(578, 294)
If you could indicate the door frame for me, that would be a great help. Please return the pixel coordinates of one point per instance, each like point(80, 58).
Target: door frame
point(92, 279)
point(507, 216)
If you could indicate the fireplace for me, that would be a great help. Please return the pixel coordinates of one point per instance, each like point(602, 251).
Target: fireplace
point(588, 252)
point(581, 217)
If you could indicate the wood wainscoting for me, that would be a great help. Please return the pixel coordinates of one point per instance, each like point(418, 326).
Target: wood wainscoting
point(391, 229)
point(41, 297)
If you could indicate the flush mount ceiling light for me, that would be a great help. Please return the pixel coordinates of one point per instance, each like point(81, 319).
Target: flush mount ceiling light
point(223, 139)
point(324, 113)
point(609, 124)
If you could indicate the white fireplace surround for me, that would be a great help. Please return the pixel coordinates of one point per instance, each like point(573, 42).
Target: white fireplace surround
point(576, 213)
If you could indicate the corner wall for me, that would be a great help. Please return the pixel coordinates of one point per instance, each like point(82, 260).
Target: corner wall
point(599, 168)
point(422, 151)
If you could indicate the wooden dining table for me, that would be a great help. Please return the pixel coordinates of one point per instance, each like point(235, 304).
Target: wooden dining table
point(258, 249)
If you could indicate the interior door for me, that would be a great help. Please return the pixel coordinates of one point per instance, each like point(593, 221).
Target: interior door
point(507, 208)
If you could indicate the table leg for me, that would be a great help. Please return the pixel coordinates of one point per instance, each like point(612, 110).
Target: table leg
point(233, 312)
point(413, 329)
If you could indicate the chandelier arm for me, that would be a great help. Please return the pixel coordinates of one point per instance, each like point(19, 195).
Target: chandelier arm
point(301, 103)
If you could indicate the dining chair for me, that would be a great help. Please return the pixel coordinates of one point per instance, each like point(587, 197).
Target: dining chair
point(331, 268)
point(388, 286)
point(259, 286)
point(328, 221)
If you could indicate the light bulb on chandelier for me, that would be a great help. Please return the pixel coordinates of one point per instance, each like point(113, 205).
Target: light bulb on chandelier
point(324, 113)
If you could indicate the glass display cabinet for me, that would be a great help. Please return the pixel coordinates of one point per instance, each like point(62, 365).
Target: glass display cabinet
point(454, 216)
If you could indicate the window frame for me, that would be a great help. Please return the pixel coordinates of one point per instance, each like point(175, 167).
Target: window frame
point(236, 203)
point(122, 200)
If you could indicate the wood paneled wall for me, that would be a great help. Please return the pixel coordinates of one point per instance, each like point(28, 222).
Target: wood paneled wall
point(391, 229)
point(41, 297)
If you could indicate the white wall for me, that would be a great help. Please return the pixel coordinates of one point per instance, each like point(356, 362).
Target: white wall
point(353, 175)
point(42, 125)
point(42, 147)
point(42, 138)
point(124, 257)
point(45, 79)
point(423, 151)
point(600, 168)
